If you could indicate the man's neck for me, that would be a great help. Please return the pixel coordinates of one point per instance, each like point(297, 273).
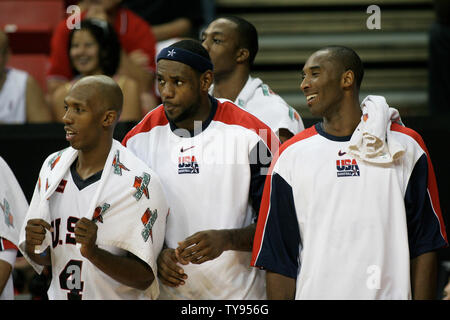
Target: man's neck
point(344, 120)
point(92, 161)
point(201, 115)
point(230, 85)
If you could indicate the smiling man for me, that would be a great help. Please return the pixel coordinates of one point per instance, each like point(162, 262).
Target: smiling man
point(212, 157)
point(105, 232)
point(375, 233)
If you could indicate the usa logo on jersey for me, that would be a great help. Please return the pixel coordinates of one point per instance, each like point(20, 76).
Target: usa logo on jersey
point(347, 168)
point(187, 164)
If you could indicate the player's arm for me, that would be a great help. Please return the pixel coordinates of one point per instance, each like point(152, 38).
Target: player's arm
point(424, 276)
point(35, 234)
point(279, 287)
point(7, 260)
point(426, 230)
point(209, 244)
point(5, 271)
point(128, 270)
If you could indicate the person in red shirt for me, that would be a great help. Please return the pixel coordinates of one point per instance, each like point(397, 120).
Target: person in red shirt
point(136, 39)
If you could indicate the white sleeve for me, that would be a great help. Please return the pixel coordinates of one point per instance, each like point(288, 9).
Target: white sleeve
point(9, 256)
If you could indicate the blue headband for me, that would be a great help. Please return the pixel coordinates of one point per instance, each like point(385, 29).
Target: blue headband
point(192, 59)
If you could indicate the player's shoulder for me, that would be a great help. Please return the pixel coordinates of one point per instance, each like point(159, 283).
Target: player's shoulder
point(154, 118)
point(299, 140)
point(231, 114)
point(408, 136)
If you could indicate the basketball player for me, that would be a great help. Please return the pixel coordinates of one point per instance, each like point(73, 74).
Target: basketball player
point(353, 231)
point(13, 207)
point(232, 43)
point(211, 156)
point(104, 207)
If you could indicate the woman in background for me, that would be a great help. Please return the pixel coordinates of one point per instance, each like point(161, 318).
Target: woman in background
point(95, 49)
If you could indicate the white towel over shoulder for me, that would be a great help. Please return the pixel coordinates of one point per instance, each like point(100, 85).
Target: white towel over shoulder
point(129, 206)
point(372, 140)
point(13, 204)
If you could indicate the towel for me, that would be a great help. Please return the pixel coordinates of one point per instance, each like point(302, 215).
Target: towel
point(129, 205)
point(373, 140)
point(13, 205)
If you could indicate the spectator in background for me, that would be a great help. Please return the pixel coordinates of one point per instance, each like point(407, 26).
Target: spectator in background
point(21, 97)
point(94, 49)
point(232, 43)
point(137, 59)
point(439, 62)
point(169, 19)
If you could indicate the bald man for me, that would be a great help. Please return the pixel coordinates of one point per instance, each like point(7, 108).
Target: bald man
point(106, 231)
point(21, 97)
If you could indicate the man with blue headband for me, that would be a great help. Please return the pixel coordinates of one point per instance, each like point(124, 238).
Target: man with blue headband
point(212, 157)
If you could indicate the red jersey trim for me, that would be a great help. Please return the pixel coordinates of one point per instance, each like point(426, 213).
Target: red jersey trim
point(231, 114)
point(6, 244)
point(153, 119)
point(265, 201)
point(432, 184)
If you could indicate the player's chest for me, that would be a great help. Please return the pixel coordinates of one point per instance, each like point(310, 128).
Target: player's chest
point(209, 153)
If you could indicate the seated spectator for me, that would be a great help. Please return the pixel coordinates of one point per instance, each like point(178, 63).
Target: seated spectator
point(21, 97)
point(137, 59)
point(93, 50)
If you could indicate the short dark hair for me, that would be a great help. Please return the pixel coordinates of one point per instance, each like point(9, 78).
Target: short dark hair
point(108, 43)
point(248, 36)
point(349, 60)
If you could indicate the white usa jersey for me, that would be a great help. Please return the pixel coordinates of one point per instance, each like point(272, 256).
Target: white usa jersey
point(208, 179)
point(345, 228)
point(125, 200)
point(70, 270)
point(257, 98)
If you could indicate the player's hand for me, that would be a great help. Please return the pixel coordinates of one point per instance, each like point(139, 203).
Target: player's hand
point(86, 234)
point(35, 233)
point(169, 272)
point(203, 246)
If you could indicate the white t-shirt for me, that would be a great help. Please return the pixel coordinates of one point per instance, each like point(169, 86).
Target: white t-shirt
point(258, 99)
point(67, 205)
point(208, 179)
point(13, 97)
point(13, 208)
point(345, 228)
